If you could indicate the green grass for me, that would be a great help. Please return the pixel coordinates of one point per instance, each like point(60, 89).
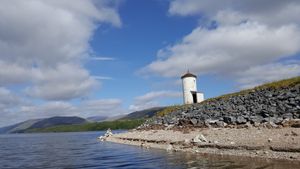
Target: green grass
point(114, 125)
point(273, 85)
point(171, 109)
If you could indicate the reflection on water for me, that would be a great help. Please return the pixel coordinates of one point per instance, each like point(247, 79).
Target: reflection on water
point(189, 160)
point(82, 150)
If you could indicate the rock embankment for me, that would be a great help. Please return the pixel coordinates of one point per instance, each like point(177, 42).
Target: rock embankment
point(261, 106)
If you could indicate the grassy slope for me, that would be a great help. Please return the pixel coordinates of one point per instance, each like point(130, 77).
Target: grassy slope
point(119, 124)
point(274, 85)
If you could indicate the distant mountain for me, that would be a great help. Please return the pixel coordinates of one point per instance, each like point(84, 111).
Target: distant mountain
point(147, 113)
point(42, 123)
point(39, 124)
point(54, 121)
point(97, 118)
point(113, 118)
point(18, 127)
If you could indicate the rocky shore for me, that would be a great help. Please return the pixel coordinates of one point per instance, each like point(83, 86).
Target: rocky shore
point(263, 122)
point(261, 106)
point(266, 143)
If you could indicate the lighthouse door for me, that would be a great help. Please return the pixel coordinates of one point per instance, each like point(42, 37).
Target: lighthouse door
point(194, 97)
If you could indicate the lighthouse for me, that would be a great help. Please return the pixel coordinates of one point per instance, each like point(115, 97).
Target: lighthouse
point(189, 87)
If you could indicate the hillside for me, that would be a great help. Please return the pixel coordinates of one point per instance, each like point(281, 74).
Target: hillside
point(55, 124)
point(97, 118)
point(270, 104)
point(147, 113)
point(41, 123)
point(114, 125)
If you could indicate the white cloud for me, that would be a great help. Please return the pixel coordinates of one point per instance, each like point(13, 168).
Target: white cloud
point(43, 46)
point(62, 83)
point(249, 34)
point(8, 100)
point(107, 107)
point(14, 74)
point(151, 99)
point(102, 58)
point(228, 49)
point(267, 73)
point(49, 109)
point(12, 114)
point(44, 43)
point(271, 12)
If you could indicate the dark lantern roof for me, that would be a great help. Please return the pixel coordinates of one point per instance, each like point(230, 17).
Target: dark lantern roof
point(188, 74)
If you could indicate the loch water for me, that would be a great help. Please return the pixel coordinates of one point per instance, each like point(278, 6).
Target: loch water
point(82, 150)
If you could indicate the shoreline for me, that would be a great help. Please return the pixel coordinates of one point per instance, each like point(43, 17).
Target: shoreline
point(260, 143)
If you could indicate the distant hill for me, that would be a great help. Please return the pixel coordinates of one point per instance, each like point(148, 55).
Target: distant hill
point(42, 123)
point(97, 118)
point(18, 127)
point(147, 113)
point(54, 121)
point(91, 123)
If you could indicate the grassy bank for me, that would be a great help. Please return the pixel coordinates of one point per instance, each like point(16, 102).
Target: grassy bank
point(114, 125)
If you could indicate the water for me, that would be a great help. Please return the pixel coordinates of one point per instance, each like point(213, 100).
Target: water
point(82, 150)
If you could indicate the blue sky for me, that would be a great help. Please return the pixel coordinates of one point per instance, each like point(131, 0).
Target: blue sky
point(93, 58)
point(147, 27)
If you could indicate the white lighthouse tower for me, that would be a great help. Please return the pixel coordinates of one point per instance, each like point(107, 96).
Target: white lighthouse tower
point(189, 86)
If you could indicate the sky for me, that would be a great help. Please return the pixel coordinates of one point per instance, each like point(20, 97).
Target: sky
point(112, 57)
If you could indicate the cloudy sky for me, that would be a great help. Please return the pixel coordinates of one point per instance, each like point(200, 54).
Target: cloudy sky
point(111, 57)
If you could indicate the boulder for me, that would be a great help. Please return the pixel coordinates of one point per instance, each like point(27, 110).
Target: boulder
point(221, 124)
point(199, 139)
point(229, 119)
point(194, 121)
point(241, 120)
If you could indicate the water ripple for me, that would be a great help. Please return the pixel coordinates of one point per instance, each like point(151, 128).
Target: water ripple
point(82, 150)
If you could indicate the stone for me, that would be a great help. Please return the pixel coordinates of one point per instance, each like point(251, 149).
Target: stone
point(199, 139)
point(294, 133)
point(291, 123)
point(229, 119)
point(169, 147)
point(270, 125)
point(288, 116)
point(256, 119)
point(168, 127)
point(277, 120)
point(187, 141)
point(265, 113)
point(270, 140)
point(248, 125)
point(257, 107)
point(241, 120)
point(221, 124)
point(194, 121)
point(207, 124)
point(210, 121)
point(102, 138)
point(108, 133)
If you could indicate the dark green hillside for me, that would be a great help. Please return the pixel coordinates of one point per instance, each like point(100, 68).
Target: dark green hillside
point(114, 125)
point(53, 121)
point(41, 123)
point(147, 113)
